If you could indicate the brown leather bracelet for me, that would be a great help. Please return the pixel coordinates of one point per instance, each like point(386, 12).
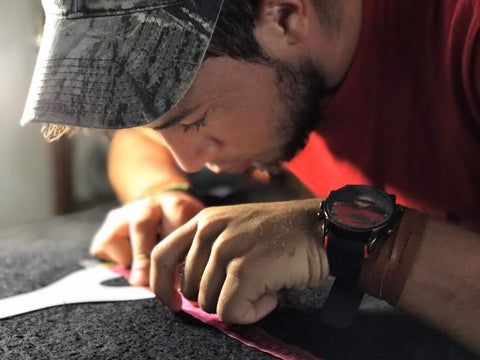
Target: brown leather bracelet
point(385, 271)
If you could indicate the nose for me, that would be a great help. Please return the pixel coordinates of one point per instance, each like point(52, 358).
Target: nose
point(191, 151)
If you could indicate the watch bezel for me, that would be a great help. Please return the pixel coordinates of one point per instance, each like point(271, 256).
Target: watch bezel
point(328, 204)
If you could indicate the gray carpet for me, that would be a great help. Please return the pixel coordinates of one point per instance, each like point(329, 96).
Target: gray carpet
point(36, 254)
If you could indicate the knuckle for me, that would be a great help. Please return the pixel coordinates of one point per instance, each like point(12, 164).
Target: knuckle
point(145, 215)
point(191, 292)
point(318, 266)
point(207, 228)
point(140, 256)
point(97, 247)
point(95, 251)
point(202, 217)
point(221, 249)
point(207, 304)
point(209, 213)
point(202, 294)
point(114, 215)
point(156, 256)
point(239, 269)
point(177, 201)
point(99, 252)
point(202, 237)
point(228, 316)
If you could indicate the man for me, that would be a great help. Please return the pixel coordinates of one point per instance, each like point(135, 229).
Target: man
point(388, 92)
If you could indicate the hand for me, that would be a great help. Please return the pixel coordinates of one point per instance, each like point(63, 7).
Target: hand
point(129, 233)
point(238, 257)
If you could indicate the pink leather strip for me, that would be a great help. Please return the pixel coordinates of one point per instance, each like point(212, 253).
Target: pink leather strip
point(251, 335)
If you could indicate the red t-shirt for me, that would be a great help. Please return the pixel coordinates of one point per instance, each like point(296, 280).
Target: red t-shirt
point(406, 118)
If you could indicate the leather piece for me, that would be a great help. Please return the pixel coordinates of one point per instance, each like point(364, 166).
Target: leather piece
point(385, 271)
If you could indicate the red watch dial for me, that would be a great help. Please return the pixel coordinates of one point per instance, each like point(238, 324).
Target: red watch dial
point(359, 207)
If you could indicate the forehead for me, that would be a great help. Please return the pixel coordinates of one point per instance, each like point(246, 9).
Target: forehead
point(210, 79)
point(221, 80)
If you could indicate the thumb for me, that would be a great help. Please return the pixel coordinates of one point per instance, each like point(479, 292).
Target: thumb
point(143, 237)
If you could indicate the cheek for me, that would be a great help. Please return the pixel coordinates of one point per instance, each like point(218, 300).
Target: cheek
point(249, 111)
point(248, 129)
point(251, 120)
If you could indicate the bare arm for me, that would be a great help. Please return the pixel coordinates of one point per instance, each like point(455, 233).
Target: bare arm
point(443, 286)
point(138, 160)
point(431, 269)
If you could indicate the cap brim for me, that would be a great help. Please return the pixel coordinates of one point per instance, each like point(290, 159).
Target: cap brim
point(116, 71)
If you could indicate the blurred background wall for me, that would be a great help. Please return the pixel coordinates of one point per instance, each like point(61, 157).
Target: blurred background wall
point(37, 179)
point(26, 190)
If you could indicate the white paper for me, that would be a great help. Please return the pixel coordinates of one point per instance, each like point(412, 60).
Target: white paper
point(82, 286)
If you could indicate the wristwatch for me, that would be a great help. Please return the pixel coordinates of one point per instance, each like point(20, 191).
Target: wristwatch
point(355, 219)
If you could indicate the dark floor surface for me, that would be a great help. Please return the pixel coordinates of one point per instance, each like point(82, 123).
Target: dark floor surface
point(36, 254)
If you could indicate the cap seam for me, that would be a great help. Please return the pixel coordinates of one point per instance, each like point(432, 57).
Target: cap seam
point(108, 60)
point(49, 104)
point(60, 102)
point(113, 13)
point(96, 96)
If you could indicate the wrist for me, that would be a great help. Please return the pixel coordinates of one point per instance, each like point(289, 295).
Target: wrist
point(356, 220)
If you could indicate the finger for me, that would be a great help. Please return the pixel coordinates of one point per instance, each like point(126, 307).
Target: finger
point(143, 237)
point(259, 176)
point(244, 302)
point(223, 251)
point(167, 257)
point(226, 247)
point(211, 284)
point(111, 242)
point(197, 258)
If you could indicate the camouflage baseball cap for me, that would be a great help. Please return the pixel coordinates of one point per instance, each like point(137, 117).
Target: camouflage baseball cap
point(117, 63)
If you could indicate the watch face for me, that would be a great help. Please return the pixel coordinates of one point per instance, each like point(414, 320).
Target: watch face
point(359, 207)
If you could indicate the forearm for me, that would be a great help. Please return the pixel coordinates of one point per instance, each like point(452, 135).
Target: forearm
point(138, 160)
point(444, 282)
point(430, 269)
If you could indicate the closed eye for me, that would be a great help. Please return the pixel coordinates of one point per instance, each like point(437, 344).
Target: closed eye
point(197, 125)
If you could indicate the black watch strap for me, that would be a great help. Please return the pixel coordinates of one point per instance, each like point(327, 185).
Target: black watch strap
point(341, 306)
point(345, 258)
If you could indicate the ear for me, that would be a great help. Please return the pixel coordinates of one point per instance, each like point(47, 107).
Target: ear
point(281, 22)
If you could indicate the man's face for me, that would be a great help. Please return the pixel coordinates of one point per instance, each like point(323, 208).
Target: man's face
point(238, 114)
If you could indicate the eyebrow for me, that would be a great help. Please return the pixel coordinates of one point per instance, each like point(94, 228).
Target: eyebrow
point(176, 118)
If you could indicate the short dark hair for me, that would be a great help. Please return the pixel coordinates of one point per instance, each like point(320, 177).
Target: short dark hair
point(233, 35)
